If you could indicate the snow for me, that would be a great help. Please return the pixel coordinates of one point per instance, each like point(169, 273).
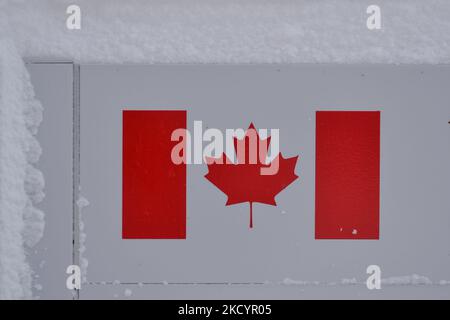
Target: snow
point(82, 202)
point(21, 184)
point(407, 280)
point(291, 282)
point(128, 293)
point(198, 31)
point(413, 279)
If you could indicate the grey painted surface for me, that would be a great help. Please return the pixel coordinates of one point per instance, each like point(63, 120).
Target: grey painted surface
point(415, 180)
point(51, 256)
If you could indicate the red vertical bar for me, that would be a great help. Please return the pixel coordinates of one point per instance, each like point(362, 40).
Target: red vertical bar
point(347, 174)
point(153, 187)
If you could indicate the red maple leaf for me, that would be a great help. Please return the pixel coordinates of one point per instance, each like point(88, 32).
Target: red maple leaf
point(243, 181)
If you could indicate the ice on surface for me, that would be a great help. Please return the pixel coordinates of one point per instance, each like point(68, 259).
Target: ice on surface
point(407, 280)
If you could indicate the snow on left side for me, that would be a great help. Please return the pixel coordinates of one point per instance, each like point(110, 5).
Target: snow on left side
point(21, 184)
point(82, 202)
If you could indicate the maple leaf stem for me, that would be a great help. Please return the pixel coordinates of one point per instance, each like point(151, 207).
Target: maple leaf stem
point(251, 214)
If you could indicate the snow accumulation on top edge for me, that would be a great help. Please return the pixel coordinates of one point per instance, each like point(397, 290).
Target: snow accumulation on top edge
point(205, 31)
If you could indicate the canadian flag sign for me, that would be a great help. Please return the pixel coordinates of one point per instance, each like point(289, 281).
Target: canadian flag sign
point(157, 149)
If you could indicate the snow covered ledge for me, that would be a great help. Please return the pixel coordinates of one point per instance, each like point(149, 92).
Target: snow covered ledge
point(21, 184)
